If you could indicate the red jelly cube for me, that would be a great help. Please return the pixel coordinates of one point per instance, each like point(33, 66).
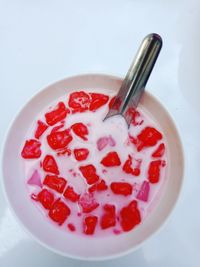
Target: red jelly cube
point(71, 227)
point(31, 149)
point(109, 217)
point(59, 140)
point(79, 101)
point(148, 137)
point(56, 115)
point(97, 101)
point(112, 101)
point(81, 130)
point(59, 212)
point(111, 159)
point(50, 165)
point(64, 151)
point(89, 225)
point(88, 202)
point(135, 116)
point(55, 182)
point(133, 140)
point(130, 216)
point(128, 167)
point(92, 188)
point(41, 128)
point(81, 154)
point(121, 188)
point(101, 186)
point(115, 103)
point(159, 152)
point(109, 208)
point(89, 173)
point(46, 198)
point(71, 194)
point(58, 127)
point(154, 171)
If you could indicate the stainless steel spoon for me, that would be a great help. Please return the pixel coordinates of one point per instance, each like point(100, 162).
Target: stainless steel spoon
point(135, 81)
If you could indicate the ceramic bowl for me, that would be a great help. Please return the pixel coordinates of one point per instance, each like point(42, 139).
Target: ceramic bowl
point(47, 234)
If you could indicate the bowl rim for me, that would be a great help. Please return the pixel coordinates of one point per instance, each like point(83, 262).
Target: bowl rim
point(23, 226)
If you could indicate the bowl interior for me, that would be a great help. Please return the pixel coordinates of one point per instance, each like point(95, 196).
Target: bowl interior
point(50, 236)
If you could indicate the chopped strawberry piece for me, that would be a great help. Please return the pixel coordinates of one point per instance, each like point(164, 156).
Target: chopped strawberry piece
point(58, 140)
point(130, 216)
point(121, 188)
point(81, 153)
point(101, 186)
point(46, 198)
point(50, 165)
point(89, 173)
point(143, 193)
point(109, 217)
point(128, 167)
point(159, 152)
point(56, 115)
point(79, 101)
point(35, 179)
point(88, 202)
point(154, 171)
point(71, 194)
point(59, 212)
point(98, 100)
point(80, 129)
point(31, 149)
point(148, 137)
point(41, 128)
point(55, 182)
point(71, 227)
point(89, 225)
point(111, 159)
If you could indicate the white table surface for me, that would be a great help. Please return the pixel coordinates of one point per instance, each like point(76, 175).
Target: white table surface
point(44, 41)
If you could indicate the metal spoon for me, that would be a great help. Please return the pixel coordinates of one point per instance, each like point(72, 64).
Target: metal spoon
point(133, 85)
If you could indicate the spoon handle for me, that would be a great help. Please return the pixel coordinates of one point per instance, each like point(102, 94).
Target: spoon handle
point(138, 74)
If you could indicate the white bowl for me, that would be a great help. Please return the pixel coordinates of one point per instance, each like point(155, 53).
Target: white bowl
point(71, 245)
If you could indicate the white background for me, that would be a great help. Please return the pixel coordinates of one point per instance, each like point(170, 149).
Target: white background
point(44, 41)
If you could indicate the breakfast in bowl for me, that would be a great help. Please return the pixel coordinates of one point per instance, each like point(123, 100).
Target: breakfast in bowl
point(93, 177)
point(87, 188)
